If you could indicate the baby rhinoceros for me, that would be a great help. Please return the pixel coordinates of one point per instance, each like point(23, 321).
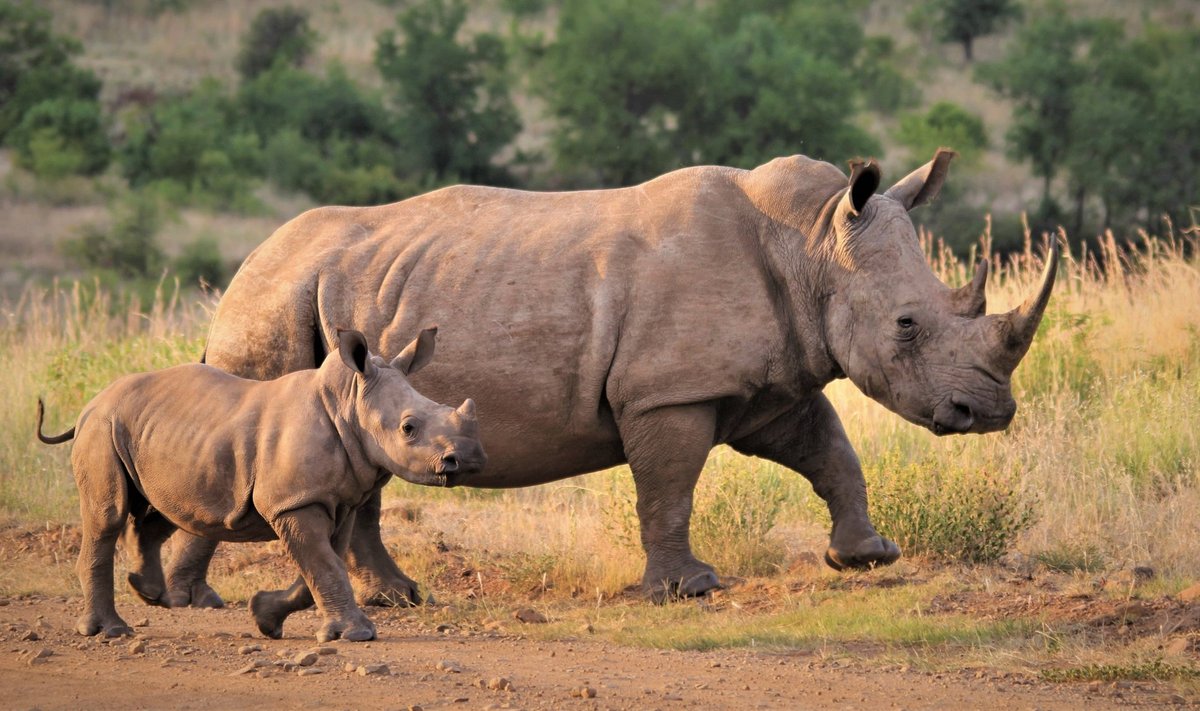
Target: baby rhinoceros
point(229, 459)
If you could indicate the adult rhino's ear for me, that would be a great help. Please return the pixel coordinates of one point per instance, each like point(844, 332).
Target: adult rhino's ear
point(417, 354)
point(864, 181)
point(352, 347)
point(923, 184)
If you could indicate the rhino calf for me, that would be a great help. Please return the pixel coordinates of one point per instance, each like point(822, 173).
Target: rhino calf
point(195, 448)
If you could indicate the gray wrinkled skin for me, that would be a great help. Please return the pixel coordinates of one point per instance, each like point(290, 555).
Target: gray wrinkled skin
point(641, 325)
point(229, 459)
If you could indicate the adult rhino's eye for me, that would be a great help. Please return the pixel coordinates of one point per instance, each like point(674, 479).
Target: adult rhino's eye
point(906, 328)
point(408, 428)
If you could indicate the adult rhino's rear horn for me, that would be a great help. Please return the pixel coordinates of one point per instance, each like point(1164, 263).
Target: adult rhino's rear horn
point(1017, 327)
point(971, 298)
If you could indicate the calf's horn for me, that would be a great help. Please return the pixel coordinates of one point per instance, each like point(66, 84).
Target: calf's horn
point(467, 409)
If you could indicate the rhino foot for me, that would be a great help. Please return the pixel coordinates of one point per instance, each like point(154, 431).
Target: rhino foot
point(198, 594)
point(90, 625)
point(358, 629)
point(269, 613)
point(695, 582)
point(868, 553)
point(400, 592)
point(151, 593)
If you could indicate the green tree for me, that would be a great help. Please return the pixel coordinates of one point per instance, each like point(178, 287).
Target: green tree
point(325, 136)
point(49, 108)
point(61, 137)
point(277, 35)
point(779, 85)
point(615, 80)
point(1040, 73)
point(452, 98)
point(1134, 143)
point(190, 149)
point(962, 21)
point(639, 88)
point(944, 124)
point(29, 45)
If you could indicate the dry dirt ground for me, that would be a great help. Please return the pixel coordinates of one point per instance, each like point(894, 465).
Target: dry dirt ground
point(214, 659)
point(203, 659)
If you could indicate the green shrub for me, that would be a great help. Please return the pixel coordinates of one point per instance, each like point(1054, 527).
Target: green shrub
point(201, 261)
point(35, 63)
point(363, 186)
point(278, 36)
point(933, 508)
point(190, 149)
point(61, 137)
point(944, 124)
point(736, 506)
point(129, 246)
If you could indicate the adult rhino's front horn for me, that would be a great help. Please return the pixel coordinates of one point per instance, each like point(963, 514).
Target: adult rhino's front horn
point(1015, 329)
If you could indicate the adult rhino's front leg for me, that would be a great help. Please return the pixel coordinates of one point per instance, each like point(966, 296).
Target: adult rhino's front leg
point(378, 580)
point(811, 440)
point(666, 449)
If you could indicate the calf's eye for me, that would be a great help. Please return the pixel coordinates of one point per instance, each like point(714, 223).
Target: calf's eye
point(408, 429)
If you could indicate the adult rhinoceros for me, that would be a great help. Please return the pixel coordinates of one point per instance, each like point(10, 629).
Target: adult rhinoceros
point(642, 325)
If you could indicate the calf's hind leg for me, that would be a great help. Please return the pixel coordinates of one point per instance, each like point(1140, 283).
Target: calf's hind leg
point(103, 507)
point(311, 540)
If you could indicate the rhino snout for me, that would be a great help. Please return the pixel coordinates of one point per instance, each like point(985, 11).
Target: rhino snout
point(461, 460)
point(959, 415)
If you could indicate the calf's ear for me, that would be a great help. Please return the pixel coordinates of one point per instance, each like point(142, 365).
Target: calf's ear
point(352, 347)
point(417, 354)
point(923, 184)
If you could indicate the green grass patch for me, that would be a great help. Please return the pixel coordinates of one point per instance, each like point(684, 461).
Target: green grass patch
point(889, 618)
point(1155, 670)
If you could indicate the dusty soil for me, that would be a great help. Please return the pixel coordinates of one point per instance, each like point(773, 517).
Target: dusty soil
point(203, 659)
point(215, 659)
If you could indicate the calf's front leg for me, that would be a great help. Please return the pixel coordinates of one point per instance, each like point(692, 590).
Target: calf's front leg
point(308, 534)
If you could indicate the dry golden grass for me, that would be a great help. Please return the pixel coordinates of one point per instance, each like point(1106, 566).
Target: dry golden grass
point(1104, 450)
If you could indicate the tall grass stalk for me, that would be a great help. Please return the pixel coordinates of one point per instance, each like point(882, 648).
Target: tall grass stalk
point(63, 344)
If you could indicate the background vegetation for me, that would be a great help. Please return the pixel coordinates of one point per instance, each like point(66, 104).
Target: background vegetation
point(233, 116)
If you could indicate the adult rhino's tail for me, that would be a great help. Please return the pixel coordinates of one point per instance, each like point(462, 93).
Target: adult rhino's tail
point(54, 439)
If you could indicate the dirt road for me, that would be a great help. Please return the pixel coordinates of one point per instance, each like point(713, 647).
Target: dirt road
point(206, 659)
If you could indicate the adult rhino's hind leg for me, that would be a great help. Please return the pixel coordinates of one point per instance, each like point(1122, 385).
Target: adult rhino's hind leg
point(811, 440)
point(666, 449)
point(187, 574)
point(378, 580)
point(145, 534)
